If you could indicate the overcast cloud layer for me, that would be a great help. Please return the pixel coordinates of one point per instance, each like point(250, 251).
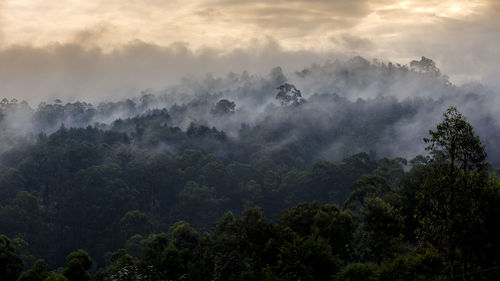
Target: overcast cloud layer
point(112, 48)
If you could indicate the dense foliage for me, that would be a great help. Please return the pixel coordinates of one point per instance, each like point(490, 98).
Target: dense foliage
point(147, 195)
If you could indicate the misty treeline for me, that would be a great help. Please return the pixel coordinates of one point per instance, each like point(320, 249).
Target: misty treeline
point(283, 177)
point(347, 107)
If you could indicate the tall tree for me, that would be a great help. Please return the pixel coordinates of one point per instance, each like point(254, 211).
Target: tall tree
point(449, 199)
point(455, 143)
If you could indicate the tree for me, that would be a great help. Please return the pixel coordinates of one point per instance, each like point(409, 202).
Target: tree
point(425, 65)
point(184, 236)
point(455, 143)
point(381, 230)
point(197, 203)
point(368, 186)
point(10, 264)
point(135, 222)
point(288, 95)
point(307, 258)
point(123, 267)
point(243, 246)
point(422, 266)
point(325, 221)
point(152, 249)
point(358, 272)
point(77, 266)
point(449, 201)
point(55, 277)
point(37, 272)
point(223, 107)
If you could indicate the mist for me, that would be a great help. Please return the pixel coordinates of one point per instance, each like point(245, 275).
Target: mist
point(76, 70)
point(352, 104)
point(249, 140)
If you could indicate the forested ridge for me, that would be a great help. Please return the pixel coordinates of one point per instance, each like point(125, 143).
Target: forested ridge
point(256, 178)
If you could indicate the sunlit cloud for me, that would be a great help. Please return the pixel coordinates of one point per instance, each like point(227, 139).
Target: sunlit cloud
point(217, 22)
point(449, 31)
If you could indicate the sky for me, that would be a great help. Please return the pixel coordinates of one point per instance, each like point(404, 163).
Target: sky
point(83, 37)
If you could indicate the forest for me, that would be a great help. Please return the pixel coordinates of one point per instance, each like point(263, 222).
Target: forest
point(348, 170)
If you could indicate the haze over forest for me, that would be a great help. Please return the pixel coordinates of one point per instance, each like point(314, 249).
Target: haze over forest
point(249, 140)
point(96, 54)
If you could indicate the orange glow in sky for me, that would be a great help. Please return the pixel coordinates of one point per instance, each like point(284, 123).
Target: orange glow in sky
point(223, 23)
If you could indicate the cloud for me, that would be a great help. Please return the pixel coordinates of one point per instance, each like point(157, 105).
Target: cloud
point(344, 8)
point(355, 43)
point(295, 18)
point(461, 35)
point(210, 14)
point(465, 48)
point(96, 35)
point(1, 24)
point(74, 71)
point(41, 22)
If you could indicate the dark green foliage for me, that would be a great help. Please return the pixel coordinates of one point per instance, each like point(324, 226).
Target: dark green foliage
point(358, 272)
point(77, 265)
point(202, 264)
point(55, 277)
point(10, 183)
point(421, 267)
point(381, 228)
point(210, 198)
point(153, 248)
point(122, 267)
point(243, 246)
point(455, 143)
point(135, 222)
point(11, 265)
point(368, 186)
point(201, 196)
point(450, 199)
point(82, 186)
point(306, 258)
point(322, 221)
point(22, 216)
point(37, 272)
